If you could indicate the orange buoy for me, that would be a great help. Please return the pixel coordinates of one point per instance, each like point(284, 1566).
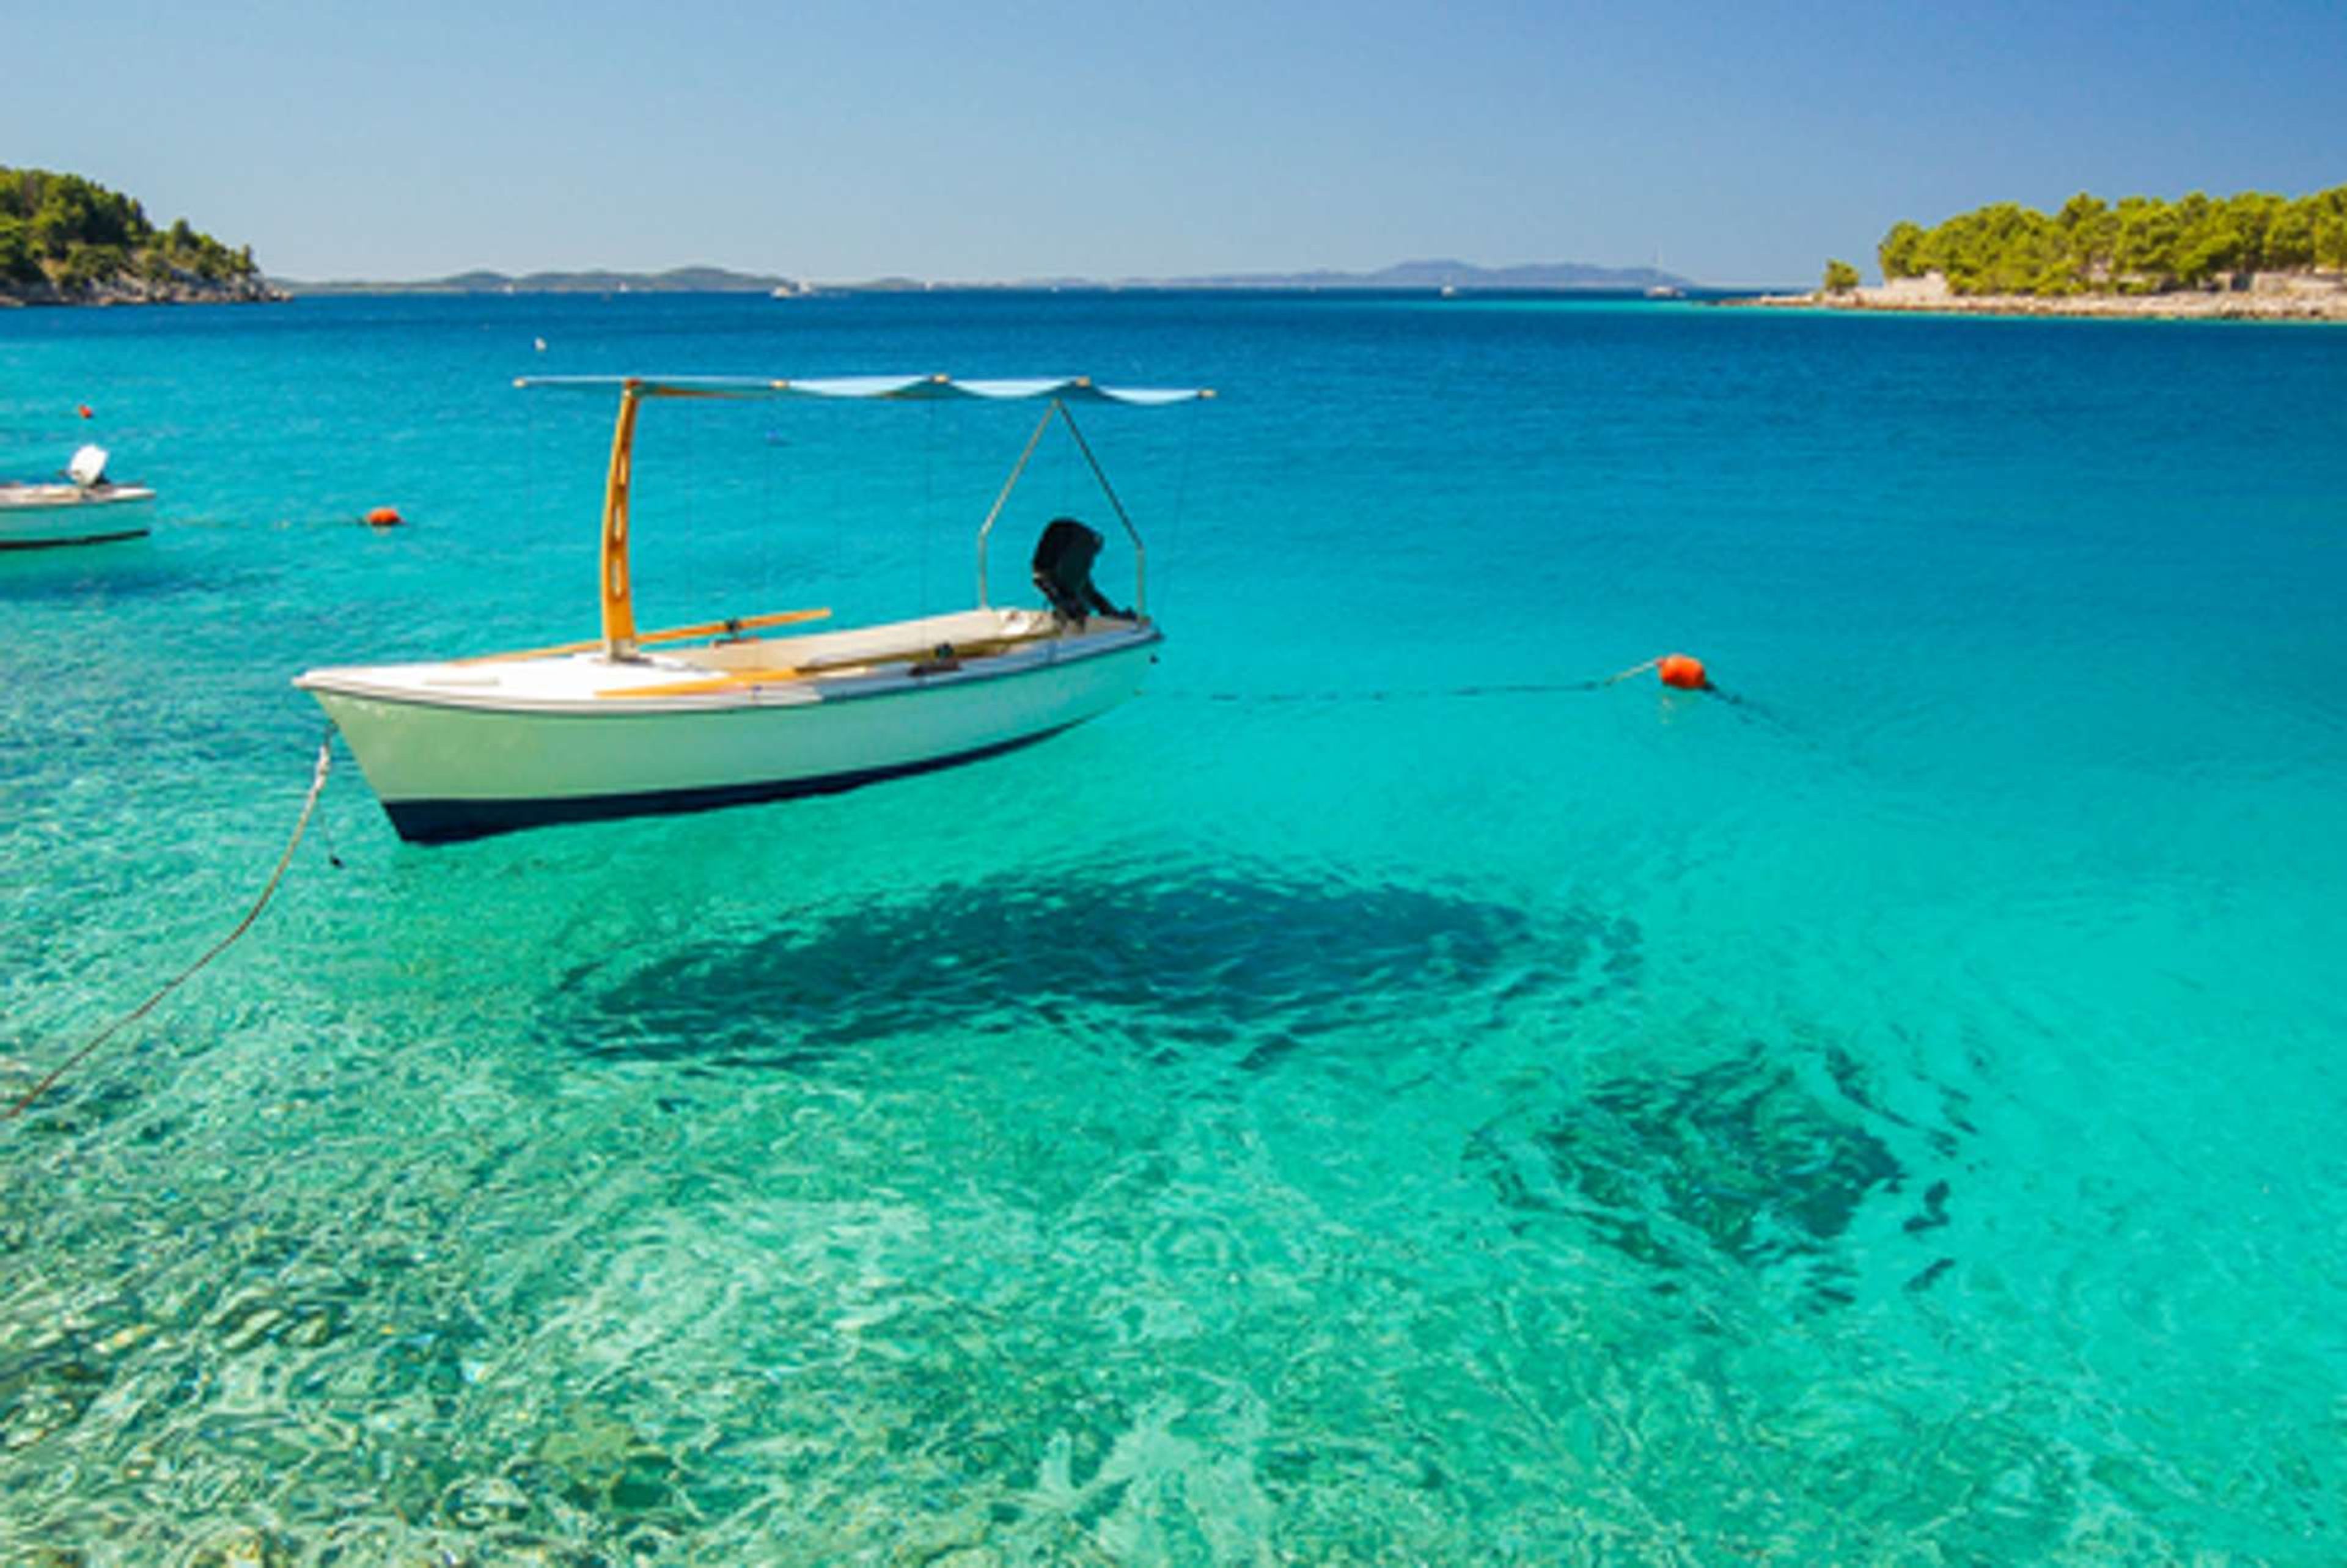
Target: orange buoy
point(84, 407)
point(384, 518)
point(1683, 672)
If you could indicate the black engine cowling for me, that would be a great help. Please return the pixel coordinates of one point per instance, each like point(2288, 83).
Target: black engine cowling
point(1063, 570)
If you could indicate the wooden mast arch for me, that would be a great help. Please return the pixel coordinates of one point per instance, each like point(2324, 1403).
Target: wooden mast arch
point(616, 590)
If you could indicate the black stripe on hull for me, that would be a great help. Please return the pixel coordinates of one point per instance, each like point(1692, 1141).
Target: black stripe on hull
point(79, 539)
point(451, 821)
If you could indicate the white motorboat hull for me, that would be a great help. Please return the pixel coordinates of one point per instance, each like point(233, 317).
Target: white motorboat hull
point(453, 752)
point(38, 517)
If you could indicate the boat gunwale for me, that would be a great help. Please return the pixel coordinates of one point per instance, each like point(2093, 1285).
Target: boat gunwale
point(749, 698)
point(46, 497)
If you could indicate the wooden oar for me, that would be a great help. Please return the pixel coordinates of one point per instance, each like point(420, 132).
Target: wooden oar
point(734, 678)
point(673, 634)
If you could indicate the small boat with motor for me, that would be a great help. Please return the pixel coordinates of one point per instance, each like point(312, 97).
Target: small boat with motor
point(744, 709)
point(83, 507)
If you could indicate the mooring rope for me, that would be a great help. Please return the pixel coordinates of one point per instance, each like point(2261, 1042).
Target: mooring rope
point(300, 825)
point(1430, 693)
point(1678, 672)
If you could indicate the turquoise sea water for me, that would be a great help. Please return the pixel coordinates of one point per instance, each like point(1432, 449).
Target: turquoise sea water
point(1304, 1116)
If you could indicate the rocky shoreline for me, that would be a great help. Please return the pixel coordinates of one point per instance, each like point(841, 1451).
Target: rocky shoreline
point(2282, 297)
point(131, 290)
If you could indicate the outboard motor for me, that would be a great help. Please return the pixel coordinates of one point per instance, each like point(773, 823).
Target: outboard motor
point(1063, 571)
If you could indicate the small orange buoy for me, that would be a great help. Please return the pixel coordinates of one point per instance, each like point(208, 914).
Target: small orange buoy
point(1683, 672)
point(384, 518)
point(83, 408)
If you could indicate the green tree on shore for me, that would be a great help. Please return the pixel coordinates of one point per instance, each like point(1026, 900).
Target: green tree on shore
point(17, 261)
point(77, 235)
point(2143, 245)
point(2330, 239)
point(1840, 277)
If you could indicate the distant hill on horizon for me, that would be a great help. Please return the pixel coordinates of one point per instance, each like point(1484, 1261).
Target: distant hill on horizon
point(1444, 273)
point(1439, 274)
point(675, 280)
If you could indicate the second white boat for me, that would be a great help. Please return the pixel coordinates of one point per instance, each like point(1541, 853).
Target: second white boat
point(86, 508)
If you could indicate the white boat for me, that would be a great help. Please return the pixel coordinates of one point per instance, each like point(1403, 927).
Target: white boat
point(717, 715)
point(84, 508)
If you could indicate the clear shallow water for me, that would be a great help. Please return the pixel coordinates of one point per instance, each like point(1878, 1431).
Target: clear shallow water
point(1889, 1121)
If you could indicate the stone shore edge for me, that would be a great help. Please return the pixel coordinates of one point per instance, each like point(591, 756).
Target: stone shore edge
point(138, 292)
point(2326, 305)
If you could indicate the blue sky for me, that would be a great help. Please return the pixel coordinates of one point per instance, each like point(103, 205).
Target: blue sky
point(1737, 142)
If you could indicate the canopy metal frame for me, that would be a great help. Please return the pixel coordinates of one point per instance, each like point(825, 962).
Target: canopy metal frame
point(615, 587)
point(1059, 410)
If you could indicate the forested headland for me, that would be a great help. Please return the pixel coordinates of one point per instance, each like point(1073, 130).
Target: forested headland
point(65, 239)
point(2141, 245)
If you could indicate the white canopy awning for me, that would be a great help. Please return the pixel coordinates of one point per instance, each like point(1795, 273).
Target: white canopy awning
point(899, 388)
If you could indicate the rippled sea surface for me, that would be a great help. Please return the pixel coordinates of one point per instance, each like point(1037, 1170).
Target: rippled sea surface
point(1372, 1098)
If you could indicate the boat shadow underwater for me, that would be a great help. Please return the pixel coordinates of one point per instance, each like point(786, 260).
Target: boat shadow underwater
point(130, 571)
point(1237, 966)
point(1689, 1155)
point(1750, 1158)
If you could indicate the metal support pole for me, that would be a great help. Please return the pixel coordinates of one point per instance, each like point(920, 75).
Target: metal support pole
point(1003, 500)
point(1139, 550)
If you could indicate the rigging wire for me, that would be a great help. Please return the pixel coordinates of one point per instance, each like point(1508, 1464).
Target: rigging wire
point(929, 497)
point(769, 526)
point(1180, 510)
